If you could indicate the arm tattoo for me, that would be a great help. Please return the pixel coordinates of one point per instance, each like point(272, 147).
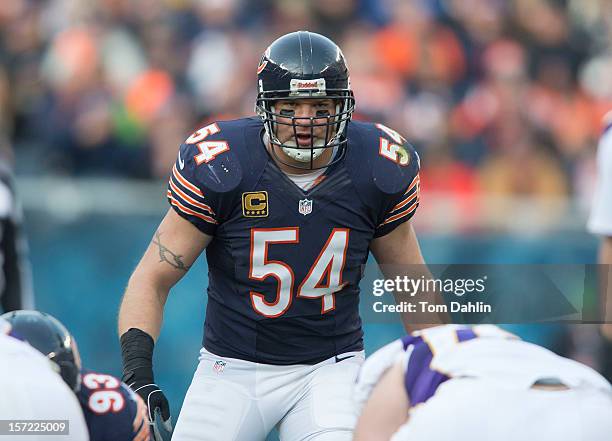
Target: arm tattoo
point(165, 255)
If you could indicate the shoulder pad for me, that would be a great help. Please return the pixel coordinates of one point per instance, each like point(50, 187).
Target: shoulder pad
point(394, 162)
point(207, 158)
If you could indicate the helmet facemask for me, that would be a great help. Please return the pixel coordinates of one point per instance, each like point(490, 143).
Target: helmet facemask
point(334, 124)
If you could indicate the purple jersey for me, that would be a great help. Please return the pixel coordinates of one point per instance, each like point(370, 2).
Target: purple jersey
point(112, 411)
point(285, 264)
point(421, 380)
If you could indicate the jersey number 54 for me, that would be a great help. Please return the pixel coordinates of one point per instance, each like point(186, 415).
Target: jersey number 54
point(323, 279)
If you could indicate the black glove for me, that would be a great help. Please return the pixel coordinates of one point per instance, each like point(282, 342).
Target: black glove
point(150, 392)
point(158, 409)
point(162, 430)
point(137, 353)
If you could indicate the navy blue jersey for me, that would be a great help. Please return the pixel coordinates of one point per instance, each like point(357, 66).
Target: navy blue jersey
point(112, 411)
point(285, 264)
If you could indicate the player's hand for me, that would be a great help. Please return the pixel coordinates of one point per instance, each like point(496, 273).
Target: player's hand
point(162, 429)
point(153, 397)
point(158, 409)
point(137, 354)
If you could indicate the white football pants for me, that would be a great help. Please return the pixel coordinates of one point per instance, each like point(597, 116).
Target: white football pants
point(478, 410)
point(231, 399)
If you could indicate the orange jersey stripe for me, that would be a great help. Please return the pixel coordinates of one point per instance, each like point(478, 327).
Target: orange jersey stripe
point(415, 181)
point(185, 182)
point(401, 214)
point(186, 210)
point(318, 181)
point(189, 199)
point(404, 202)
point(141, 422)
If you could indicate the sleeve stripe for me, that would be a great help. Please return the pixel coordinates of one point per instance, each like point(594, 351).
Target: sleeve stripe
point(141, 423)
point(401, 214)
point(186, 210)
point(415, 181)
point(405, 202)
point(185, 183)
point(188, 199)
point(144, 433)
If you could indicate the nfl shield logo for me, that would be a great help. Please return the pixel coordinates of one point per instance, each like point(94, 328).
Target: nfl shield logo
point(305, 206)
point(219, 366)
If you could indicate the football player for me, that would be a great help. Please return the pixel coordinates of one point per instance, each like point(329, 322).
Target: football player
point(32, 391)
point(600, 223)
point(15, 274)
point(112, 411)
point(287, 205)
point(479, 383)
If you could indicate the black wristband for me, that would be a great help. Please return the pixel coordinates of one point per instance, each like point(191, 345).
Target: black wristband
point(137, 354)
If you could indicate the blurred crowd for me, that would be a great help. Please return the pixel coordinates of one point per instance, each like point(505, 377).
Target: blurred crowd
point(503, 97)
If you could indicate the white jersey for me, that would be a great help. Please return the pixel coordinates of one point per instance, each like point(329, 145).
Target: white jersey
point(433, 356)
point(487, 352)
point(600, 221)
point(32, 390)
point(478, 380)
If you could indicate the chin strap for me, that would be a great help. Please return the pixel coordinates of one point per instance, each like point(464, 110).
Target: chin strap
point(303, 155)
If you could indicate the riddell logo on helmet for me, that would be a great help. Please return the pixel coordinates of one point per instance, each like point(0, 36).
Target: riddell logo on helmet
point(317, 84)
point(307, 85)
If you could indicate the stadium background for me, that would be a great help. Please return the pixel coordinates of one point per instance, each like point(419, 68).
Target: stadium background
point(502, 99)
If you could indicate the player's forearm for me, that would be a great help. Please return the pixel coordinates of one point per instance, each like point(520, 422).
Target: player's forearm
point(605, 258)
point(398, 255)
point(605, 252)
point(142, 306)
point(431, 315)
point(167, 258)
point(386, 409)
